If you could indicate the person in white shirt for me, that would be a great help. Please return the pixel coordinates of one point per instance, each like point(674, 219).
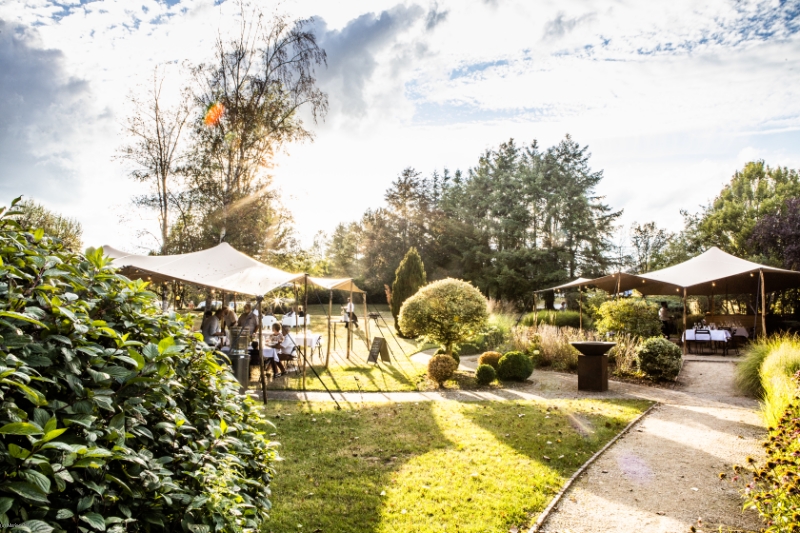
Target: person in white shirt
point(663, 316)
point(210, 329)
point(350, 309)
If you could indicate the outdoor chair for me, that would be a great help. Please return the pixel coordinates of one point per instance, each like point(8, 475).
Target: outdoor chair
point(702, 337)
point(287, 354)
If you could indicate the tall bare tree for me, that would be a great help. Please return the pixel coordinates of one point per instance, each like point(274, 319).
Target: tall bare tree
point(253, 93)
point(156, 131)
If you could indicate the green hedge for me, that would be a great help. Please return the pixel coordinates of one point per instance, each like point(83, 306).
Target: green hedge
point(660, 358)
point(629, 315)
point(514, 366)
point(113, 416)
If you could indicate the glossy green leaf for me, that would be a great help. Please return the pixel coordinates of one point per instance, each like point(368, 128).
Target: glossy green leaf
point(95, 520)
point(18, 453)
point(26, 490)
point(21, 428)
point(5, 504)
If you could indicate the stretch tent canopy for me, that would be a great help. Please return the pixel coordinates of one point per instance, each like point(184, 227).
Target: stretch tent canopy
point(620, 282)
point(716, 272)
point(222, 267)
point(342, 284)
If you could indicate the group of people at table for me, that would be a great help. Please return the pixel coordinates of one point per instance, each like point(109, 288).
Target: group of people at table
point(217, 325)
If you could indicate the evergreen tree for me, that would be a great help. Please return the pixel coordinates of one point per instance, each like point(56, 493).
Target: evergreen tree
point(409, 278)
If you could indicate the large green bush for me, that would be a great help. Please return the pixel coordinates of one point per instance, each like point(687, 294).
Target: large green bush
point(659, 358)
point(114, 416)
point(408, 279)
point(629, 315)
point(446, 312)
point(515, 366)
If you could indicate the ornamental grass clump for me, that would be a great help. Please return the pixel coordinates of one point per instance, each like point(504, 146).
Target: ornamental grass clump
point(515, 366)
point(441, 368)
point(490, 358)
point(660, 359)
point(485, 374)
point(113, 416)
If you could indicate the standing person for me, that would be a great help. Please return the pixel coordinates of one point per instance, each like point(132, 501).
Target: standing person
point(248, 319)
point(228, 318)
point(350, 309)
point(663, 316)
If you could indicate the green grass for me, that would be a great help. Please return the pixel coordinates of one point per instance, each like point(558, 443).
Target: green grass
point(431, 466)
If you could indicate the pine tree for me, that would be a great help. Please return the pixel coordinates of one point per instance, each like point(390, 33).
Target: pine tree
point(409, 278)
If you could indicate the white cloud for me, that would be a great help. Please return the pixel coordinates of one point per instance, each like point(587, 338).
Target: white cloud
point(671, 97)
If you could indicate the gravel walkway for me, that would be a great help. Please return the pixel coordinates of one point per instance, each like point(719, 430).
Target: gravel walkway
point(663, 475)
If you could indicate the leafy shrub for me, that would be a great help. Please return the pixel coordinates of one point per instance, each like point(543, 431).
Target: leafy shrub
point(772, 487)
point(515, 366)
point(441, 368)
point(659, 358)
point(485, 374)
point(629, 315)
point(114, 416)
point(455, 355)
point(447, 311)
point(490, 358)
point(467, 348)
point(408, 279)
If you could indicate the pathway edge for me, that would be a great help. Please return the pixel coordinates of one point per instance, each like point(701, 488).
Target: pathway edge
point(557, 498)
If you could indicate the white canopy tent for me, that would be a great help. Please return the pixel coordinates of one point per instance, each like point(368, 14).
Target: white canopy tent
point(225, 268)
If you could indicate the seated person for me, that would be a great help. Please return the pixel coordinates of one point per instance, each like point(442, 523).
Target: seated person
point(210, 329)
point(300, 312)
point(290, 312)
point(274, 341)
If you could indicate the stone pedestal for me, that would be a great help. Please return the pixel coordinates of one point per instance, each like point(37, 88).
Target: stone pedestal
point(593, 373)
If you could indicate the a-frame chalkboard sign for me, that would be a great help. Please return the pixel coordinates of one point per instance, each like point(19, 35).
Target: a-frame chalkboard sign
point(379, 346)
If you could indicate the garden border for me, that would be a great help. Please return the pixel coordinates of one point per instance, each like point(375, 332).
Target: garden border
point(557, 498)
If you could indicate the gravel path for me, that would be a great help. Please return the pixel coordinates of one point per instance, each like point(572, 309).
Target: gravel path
point(663, 475)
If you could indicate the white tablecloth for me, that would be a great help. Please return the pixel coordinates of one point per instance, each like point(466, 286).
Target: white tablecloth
point(269, 353)
point(742, 332)
point(311, 341)
point(717, 335)
point(293, 321)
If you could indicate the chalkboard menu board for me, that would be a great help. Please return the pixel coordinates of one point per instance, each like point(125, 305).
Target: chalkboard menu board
point(379, 346)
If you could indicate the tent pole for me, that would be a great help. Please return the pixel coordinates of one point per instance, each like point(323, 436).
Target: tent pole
point(262, 368)
point(580, 309)
point(330, 312)
point(350, 321)
point(305, 328)
point(763, 305)
point(366, 318)
point(684, 321)
point(755, 309)
point(619, 281)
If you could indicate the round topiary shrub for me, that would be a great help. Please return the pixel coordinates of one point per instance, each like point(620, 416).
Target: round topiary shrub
point(490, 358)
point(441, 368)
point(659, 358)
point(514, 366)
point(485, 374)
point(114, 416)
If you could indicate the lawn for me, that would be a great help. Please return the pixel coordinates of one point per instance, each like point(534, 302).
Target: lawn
point(431, 466)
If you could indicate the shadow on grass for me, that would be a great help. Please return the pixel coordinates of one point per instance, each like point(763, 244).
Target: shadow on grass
point(337, 463)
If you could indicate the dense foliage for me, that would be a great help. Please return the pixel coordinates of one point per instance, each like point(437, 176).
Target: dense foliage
point(521, 219)
point(773, 487)
point(441, 368)
point(408, 279)
point(485, 374)
point(515, 366)
point(561, 319)
point(446, 312)
point(113, 416)
point(777, 235)
point(33, 216)
point(659, 358)
point(490, 358)
point(628, 315)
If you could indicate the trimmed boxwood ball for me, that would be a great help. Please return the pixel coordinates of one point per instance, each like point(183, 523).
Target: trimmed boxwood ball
point(485, 374)
point(441, 368)
point(113, 415)
point(455, 355)
point(660, 358)
point(490, 358)
point(515, 366)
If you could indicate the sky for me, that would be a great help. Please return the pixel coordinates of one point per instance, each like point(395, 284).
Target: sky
point(671, 97)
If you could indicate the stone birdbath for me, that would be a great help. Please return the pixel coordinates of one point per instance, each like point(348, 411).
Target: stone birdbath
point(593, 365)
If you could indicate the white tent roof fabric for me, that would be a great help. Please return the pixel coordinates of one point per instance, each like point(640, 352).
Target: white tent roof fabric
point(222, 267)
point(712, 272)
